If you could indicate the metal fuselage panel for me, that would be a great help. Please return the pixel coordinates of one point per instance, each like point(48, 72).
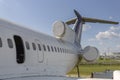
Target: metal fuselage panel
point(36, 62)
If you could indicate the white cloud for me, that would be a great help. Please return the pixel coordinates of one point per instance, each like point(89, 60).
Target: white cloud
point(114, 28)
point(111, 33)
point(104, 39)
point(86, 27)
point(107, 35)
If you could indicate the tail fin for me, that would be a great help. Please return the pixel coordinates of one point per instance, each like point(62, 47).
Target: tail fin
point(78, 27)
point(79, 21)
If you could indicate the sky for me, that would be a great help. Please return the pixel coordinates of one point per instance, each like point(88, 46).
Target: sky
point(40, 15)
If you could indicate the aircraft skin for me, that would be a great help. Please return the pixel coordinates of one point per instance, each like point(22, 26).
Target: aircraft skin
point(29, 55)
point(39, 62)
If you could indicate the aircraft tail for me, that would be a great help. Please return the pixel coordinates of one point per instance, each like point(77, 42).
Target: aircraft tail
point(79, 21)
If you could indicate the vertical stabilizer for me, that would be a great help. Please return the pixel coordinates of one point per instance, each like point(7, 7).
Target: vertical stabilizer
point(78, 27)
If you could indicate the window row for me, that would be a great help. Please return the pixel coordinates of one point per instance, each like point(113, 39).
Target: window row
point(34, 46)
point(47, 48)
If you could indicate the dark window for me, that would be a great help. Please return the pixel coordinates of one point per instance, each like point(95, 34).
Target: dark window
point(44, 47)
point(39, 47)
point(61, 50)
point(55, 49)
point(48, 48)
point(27, 45)
point(0, 42)
point(58, 49)
point(10, 43)
point(52, 49)
point(20, 54)
point(34, 46)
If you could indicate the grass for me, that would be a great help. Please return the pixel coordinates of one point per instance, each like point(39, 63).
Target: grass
point(101, 65)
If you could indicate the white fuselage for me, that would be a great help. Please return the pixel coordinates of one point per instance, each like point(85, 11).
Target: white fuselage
point(52, 57)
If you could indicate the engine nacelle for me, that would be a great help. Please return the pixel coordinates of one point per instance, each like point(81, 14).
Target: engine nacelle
point(90, 53)
point(59, 29)
point(63, 31)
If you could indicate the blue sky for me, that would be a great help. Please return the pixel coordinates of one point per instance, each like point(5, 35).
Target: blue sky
point(40, 15)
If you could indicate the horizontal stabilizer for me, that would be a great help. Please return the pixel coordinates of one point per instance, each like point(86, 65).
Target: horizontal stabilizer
point(92, 20)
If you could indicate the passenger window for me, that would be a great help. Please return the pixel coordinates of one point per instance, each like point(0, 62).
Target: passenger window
point(10, 43)
point(44, 47)
point(52, 49)
point(34, 46)
point(48, 48)
point(39, 47)
point(58, 49)
point(0, 42)
point(27, 45)
point(55, 49)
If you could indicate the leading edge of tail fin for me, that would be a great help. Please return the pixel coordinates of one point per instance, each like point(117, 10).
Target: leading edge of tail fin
point(78, 27)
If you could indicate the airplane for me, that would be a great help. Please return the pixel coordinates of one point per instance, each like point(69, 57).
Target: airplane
point(29, 55)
